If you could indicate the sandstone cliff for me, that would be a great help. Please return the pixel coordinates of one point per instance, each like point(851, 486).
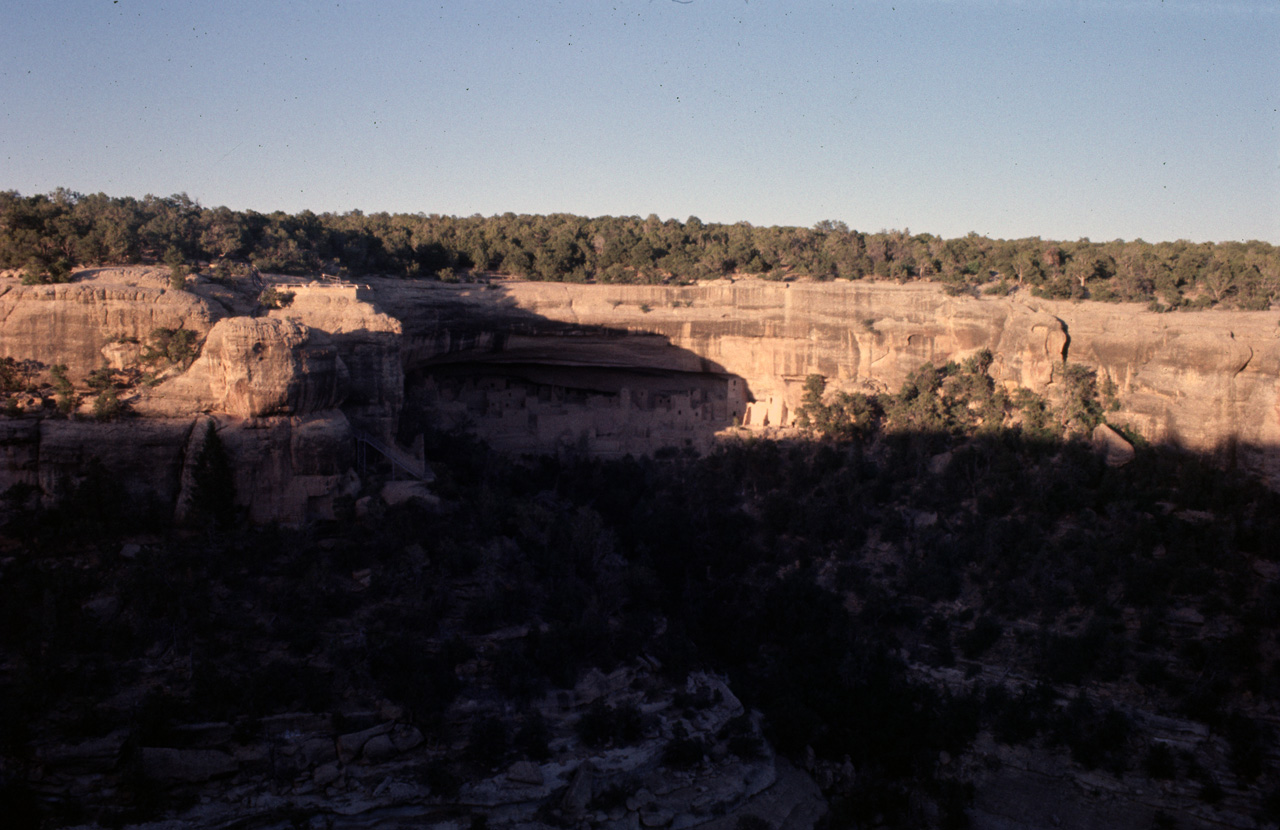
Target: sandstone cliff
point(368, 341)
point(273, 386)
point(73, 323)
point(251, 367)
point(1205, 380)
point(618, 369)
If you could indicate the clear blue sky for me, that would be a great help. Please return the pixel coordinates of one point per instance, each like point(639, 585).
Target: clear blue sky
point(1061, 118)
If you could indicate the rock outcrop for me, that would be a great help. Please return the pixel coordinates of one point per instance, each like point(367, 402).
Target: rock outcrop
point(286, 469)
point(79, 324)
point(252, 367)
point(1206, 380)
point(369, 343)
point(304, 766)
point(273, 386)
point(604, 369)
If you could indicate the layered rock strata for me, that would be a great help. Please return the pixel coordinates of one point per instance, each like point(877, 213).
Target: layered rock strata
point(272, 387)
point(1205, 380)
point(604, 369)
point(79, 324)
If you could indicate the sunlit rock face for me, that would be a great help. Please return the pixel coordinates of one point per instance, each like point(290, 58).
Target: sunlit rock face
point(1205, 380)
point(74, 323)
point(273, 385)
point(598, 369)
point(369, 343)
point(251, 367)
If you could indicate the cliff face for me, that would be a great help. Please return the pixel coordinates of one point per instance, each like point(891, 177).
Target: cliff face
point(369, 344)
point(273, 388)
point(77, 323)
point(251, 367)
point(601, 368)
point(1206, 380)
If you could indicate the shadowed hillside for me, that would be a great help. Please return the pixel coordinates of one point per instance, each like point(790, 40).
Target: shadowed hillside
point(970, 624)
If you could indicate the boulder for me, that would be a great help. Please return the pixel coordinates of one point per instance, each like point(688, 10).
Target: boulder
point(1112, 446)
point(406, 738)
point(580, 790)
point(253, 367)
point(399, 492)
point(379, 748)
point(326, 774)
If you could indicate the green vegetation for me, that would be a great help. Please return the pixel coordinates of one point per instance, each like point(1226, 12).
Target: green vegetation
point(172, 347)
point(958, 399)
point(272, 298)
point(177, 269)
point(106, 404)
point(18, 375)
point(46, 234)
point(215, 490)
point(949, 525)
point(62, 387)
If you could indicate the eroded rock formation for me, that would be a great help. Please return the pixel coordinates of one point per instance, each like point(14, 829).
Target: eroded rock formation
point(273, 388)
point(253, 367)
point(80, 323)
point(368, 341)
point(1206, 380)
point(604, 369)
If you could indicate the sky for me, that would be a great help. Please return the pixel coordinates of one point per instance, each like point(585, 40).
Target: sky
point(1062, 119)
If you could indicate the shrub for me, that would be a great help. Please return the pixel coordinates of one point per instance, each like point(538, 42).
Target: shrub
point(38, 272)
point(271, 298)
point(1211, 791)
point(172, 346)
point(177, 269)
point(67, 397)
point(215, 493)
point(107, 405)
point(442, 780)
point(533, 738)
point(747, 747)
point(488, 742)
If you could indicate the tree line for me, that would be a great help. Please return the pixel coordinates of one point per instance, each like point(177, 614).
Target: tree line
point(46, 235)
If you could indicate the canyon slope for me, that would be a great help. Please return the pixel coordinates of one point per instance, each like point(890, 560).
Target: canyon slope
point(340, 675)
point(601, 369)
point(1203, 380)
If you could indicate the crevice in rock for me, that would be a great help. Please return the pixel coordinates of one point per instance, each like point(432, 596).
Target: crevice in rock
point(1066, 333)
point(1247, 360)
